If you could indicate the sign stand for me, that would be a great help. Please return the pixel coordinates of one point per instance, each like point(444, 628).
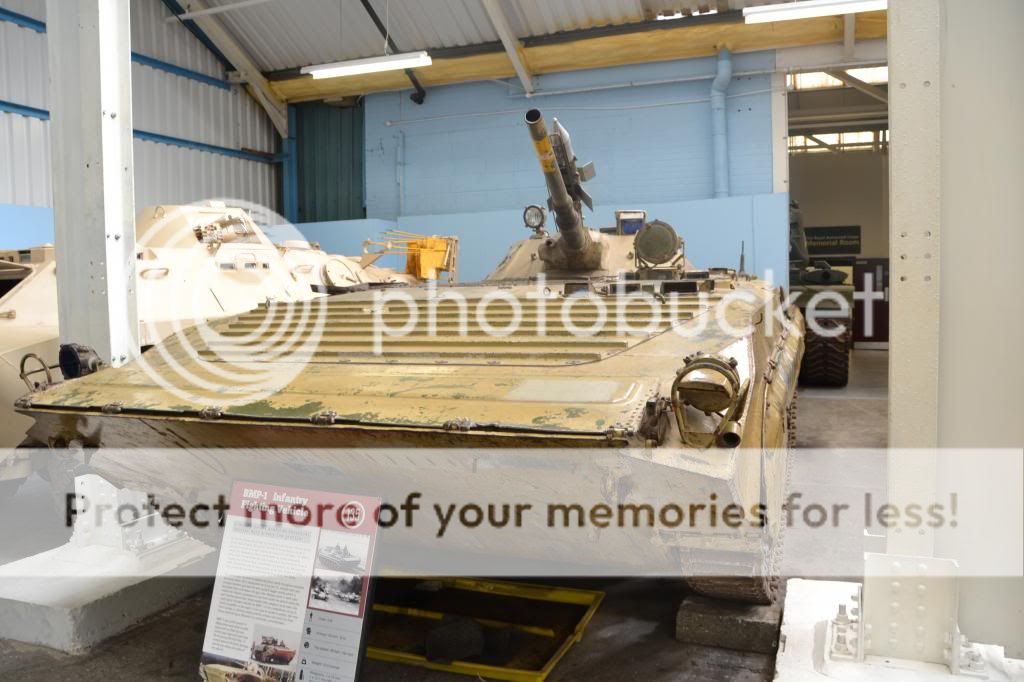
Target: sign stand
point(293, 586)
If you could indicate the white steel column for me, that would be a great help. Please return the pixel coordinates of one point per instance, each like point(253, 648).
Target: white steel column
point(981, 403)
point(956, 367)
point(914, 220)
point(91, 158)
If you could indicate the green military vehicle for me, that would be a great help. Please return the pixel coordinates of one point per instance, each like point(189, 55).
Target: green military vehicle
point(820, 284)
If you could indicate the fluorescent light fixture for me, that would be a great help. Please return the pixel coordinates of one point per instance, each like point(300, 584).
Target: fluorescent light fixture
point(809, 8)
point(391, 62)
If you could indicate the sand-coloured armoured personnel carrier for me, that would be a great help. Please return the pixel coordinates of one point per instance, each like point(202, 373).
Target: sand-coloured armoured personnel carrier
point(195, 262)
point(686, 378)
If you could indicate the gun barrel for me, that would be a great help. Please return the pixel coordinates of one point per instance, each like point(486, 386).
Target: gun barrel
point(567, 218)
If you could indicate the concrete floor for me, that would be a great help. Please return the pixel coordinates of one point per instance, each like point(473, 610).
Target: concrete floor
point(631, 636)
point(853, 417)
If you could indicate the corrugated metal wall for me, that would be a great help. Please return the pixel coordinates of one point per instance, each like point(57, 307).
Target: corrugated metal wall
point(163, 103)
point(330, 151)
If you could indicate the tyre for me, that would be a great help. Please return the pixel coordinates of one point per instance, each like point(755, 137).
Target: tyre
point(826, 360)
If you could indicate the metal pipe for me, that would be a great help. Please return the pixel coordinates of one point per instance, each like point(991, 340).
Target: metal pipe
point(621, 107)
point(636, 84)
point(400, 171)
point(567, 218)
point(719, 133)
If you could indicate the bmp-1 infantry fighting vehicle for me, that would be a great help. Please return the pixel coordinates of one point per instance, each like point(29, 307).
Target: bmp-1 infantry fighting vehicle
point(194, 262)
point(272, 650)
point(826, 359)
point(696, 397)
point(222, 672)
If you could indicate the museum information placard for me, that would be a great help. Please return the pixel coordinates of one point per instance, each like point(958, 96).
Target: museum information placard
point(290, 598)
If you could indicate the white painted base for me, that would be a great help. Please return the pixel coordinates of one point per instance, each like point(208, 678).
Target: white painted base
point(72, 597)
point(802, 657)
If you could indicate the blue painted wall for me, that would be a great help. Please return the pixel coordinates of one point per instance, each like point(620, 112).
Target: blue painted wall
point(467, 150)
point(24, 226)
point(462, 163)
point(441, 168)
point(712, 228)
point(344, 237)
point(336, 236)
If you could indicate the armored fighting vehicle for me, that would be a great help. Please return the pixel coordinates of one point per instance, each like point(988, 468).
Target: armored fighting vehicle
point(272, 650)
point(195, 262)
point(220, 672)
point(687, 385)
point(28, 327)
point(337, 558)
point(826, 359)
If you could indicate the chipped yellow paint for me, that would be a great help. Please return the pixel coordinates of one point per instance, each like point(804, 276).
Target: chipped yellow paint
point(437, 379)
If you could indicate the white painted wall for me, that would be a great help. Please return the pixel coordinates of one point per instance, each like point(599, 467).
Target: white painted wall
point(845, 188)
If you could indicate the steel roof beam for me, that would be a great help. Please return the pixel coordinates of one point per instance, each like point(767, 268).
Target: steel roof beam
point(858, 84)
point(821, 143)
point(259, 88)
point(513, 48)
point(220, 9)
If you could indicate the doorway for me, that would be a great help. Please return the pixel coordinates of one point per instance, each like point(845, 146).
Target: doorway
point(839, 176)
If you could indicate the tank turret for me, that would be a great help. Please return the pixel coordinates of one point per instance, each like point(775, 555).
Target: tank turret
point(633, 248)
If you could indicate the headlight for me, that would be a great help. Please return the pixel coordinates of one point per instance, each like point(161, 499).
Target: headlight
point(533, 216)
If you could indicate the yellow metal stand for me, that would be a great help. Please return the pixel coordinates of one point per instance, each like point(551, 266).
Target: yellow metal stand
point(588, 600)
point(425, 257)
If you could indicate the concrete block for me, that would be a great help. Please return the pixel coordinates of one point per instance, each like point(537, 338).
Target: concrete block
point(729, 625)
point(72, 597)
